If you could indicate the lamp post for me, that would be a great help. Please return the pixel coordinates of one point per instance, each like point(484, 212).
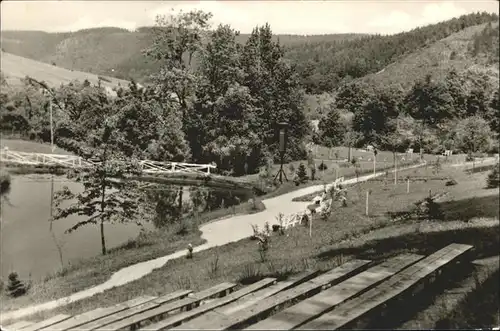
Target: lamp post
point(283, 126)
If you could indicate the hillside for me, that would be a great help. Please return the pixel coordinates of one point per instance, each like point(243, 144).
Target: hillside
point(460, 51)
point(324, 62)
point(15, 68)
point(112, 51)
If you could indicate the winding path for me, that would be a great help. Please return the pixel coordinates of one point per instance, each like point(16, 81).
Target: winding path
point(216, 233)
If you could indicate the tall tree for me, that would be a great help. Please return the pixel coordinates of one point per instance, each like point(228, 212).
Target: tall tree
point(177, 42)
point(372, 120)
point(274, 84)
point(429, 101)
point(493, 114)
point(473, 135)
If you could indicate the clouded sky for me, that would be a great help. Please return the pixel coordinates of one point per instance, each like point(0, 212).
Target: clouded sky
point(293, 17)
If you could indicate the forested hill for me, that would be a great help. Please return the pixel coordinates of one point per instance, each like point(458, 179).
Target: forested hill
point(324, 62)
point(113, 51)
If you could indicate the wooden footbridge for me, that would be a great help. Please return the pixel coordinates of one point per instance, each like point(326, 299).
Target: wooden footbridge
point(173, 173)
point(342, 297)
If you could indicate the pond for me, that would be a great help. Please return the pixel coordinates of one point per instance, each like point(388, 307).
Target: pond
point(27, 245)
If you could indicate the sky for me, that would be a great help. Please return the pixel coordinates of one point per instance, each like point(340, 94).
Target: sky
point(285, 17)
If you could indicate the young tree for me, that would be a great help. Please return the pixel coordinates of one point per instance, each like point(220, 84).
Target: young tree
point(109, 195)
point(393, 141)
point(331, 128)
point(351, 139)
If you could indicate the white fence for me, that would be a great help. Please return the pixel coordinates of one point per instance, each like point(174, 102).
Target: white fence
point(70, 161)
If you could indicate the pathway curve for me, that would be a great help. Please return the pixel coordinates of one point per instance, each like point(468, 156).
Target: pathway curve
point(216, 233)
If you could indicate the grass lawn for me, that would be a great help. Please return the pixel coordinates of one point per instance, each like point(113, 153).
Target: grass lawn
point(347, 234)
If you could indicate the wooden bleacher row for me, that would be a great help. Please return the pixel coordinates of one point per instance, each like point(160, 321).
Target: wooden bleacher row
point(311, 300)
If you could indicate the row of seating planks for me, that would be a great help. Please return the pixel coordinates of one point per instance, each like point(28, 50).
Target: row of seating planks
point(310, 300)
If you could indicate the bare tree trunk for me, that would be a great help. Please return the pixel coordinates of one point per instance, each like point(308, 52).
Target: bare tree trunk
point(395, 168)
point(349, 154)
point(103, 241)
point(54, 238)
point(181, 190)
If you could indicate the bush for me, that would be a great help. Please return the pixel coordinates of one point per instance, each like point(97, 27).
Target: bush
point(15, 288)
point(322, 166)
point(493, 178)
point(432, 210)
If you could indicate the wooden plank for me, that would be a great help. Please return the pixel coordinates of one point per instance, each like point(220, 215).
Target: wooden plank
point(48, 322)
point(257, 296)
point(81, 319)
point(355, 308)
point(134, 322)
point(18, 325)
point(136, 309)
point(325, 301)
point(153, 310)
point(213, 320)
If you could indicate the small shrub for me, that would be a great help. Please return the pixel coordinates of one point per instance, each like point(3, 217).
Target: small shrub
point(15, 287)
point(214, 265)
point(189, 254)
point(451, 182)
point(322, 166)
point(493, 180)
point(432, 210)
point(301, 174)
point(251, 273)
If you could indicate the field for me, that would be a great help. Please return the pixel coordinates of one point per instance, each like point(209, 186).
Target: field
point(16, 68)
point(348, 233)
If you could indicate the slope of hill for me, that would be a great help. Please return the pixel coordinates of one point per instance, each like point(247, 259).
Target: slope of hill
point(111, 51)
point(458, 52)
point(15, 68)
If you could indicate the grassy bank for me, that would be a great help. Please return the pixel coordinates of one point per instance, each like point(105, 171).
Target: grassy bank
point(347, 234)
point(86, 273)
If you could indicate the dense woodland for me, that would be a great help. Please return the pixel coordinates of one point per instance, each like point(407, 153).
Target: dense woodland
point(216, 100)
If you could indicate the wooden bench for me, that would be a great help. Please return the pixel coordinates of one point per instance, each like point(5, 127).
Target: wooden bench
point(156, 309)
point(381, 294)
point(213, 320)
point(325, 301)
point(46, 323)
point(257, 296)
point(81, 319)
point(18, 325)
point(186, 316)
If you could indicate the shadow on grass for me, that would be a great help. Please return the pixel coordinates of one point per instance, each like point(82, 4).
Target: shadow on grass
point(479, 309)
point(478, 169)
point(484, 240)
point(464, 210)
